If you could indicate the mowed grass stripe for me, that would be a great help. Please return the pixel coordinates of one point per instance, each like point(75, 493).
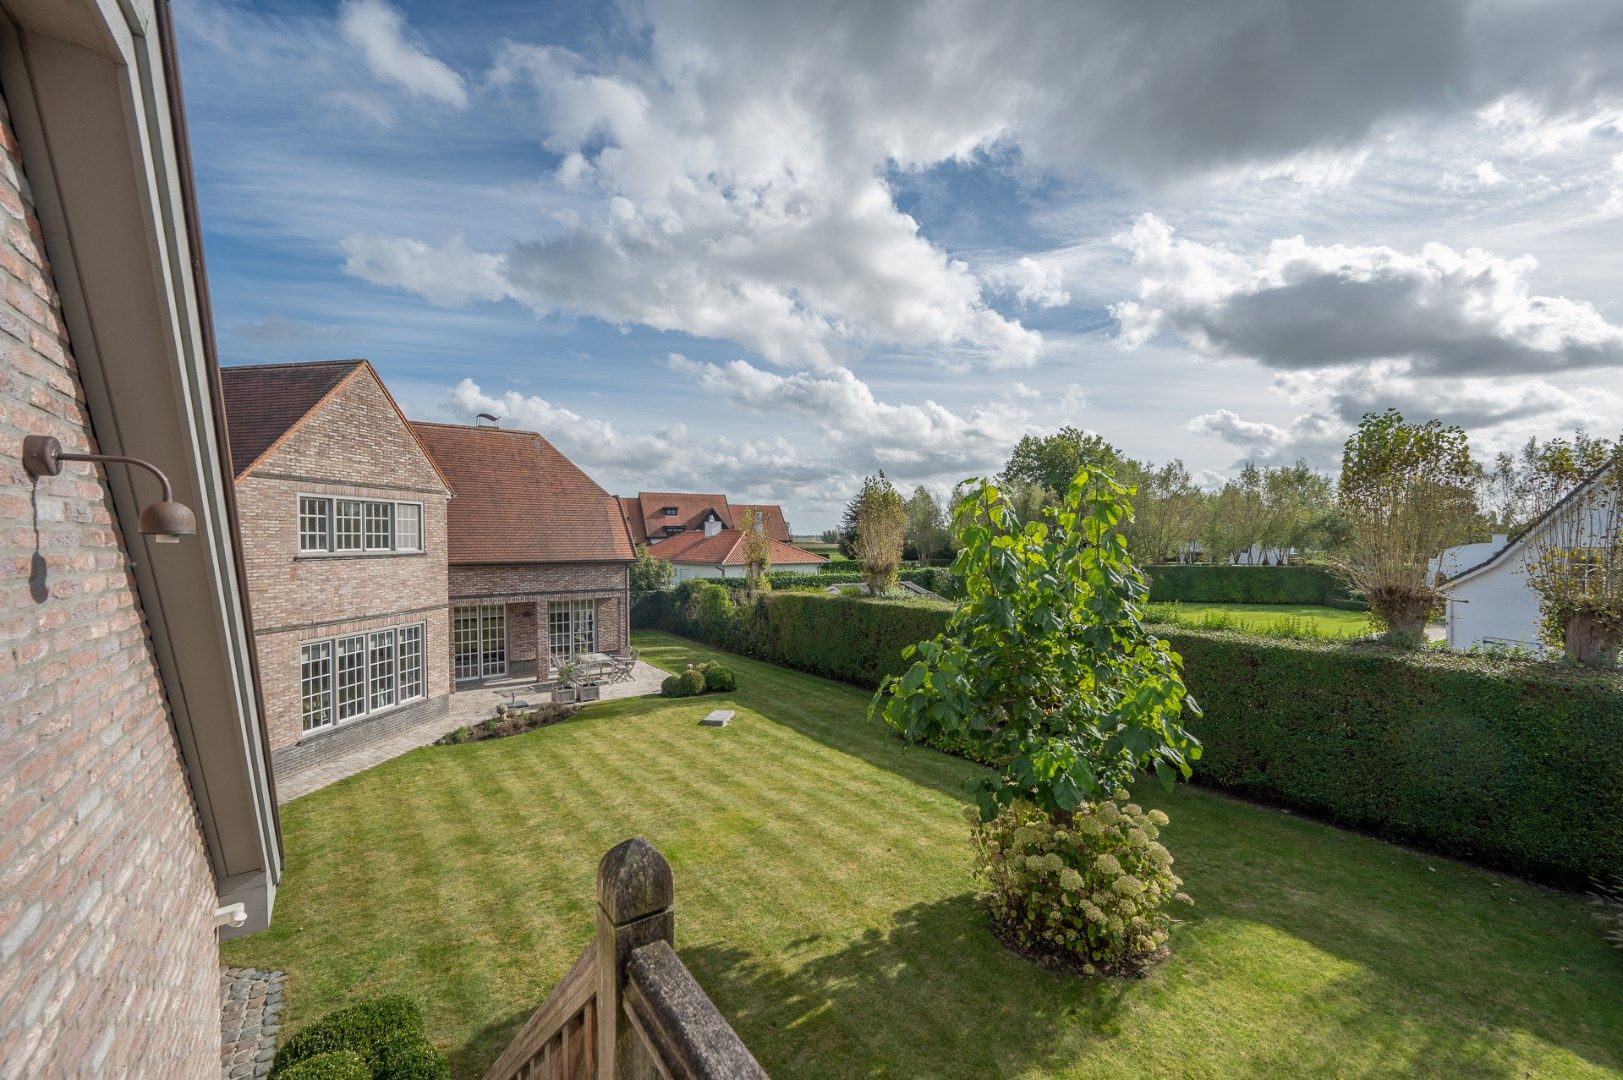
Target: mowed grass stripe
point(823, 900)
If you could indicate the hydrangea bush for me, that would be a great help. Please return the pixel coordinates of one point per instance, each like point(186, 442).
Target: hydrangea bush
point(1093, 891)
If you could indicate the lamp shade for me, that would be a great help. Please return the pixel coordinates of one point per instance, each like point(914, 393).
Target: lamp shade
point(167, 520)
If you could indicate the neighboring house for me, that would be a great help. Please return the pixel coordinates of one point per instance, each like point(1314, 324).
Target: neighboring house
point(1462, 557)
point(1490, 601)
point(539, 554)
point(700, 534)
point(343, 532)
point(136, 807)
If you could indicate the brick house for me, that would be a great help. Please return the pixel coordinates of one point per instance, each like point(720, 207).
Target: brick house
point(136, 807)
point(702, 534)
point(343, 533)
point(539, 554)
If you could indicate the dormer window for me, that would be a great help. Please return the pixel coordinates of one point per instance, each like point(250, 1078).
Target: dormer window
point(669, 511)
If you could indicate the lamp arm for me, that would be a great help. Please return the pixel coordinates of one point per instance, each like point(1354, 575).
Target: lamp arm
point(168, 492)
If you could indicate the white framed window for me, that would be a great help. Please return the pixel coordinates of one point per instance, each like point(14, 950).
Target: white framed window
point(315, 684)
point(571, 628)
point(315, 530)
point(408, 527)
point(329, 524)
point(346, 677)
point(410, 646)
point(347, 525)
point(351, 662)
point(479, 641)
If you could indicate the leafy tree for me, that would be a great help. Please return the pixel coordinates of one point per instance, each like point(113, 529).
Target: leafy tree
point(1574, 553)
point(878, 521)
point(1167, 510)
point(830, 536)
point(1407, 491)
point(1049, 462)
point(1299, 501)
point(1047, 666)
point(757, 549)
point(649, 574)
point(926, 525)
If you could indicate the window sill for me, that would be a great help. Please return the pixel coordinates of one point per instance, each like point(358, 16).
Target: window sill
point(330, 729)
point(319, 555)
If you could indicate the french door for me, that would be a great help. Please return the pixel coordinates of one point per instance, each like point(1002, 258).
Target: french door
point(479, 641)
point(571, 628)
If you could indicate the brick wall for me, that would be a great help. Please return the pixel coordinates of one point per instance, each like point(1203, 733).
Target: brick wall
point(107, 948)
point(354, 445)
point(606, 584)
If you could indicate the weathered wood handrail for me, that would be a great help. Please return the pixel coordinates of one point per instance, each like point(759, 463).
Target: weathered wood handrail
point(629, 1007)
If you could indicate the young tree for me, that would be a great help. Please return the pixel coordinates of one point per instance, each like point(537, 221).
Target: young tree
point(1574, 554)
point(1050, 461)
point(649, 574)
point(879, 522)
point(757, 548)
point(1407, 491)
point(926, 525)
point(1047, 665)
point(1299, 499)
point(1167, 510)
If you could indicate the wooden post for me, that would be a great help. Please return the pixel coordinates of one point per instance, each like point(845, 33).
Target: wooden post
point(635, 898)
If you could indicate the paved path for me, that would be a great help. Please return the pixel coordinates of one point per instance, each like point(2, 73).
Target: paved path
point(468, 707)
point(250, 1016)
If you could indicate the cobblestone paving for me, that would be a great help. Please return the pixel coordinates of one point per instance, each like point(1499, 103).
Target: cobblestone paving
point(467, 707)
point(250, 1015)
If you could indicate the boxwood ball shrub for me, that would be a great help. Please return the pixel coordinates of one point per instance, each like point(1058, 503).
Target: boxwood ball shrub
point(1094, 890)
point(692, 681)
point(386, 1033)
point(716, 677)
point(336, 1065)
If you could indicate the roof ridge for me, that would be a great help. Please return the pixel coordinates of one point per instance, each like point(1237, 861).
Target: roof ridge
point(291, 364)
point(480, 427)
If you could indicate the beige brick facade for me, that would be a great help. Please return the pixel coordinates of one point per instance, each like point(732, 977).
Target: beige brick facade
point(526, 590)
point(107, 947)
point(354, 444)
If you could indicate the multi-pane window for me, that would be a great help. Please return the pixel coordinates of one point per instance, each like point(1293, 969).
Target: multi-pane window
point(342, 678)
point(381, 663)
point(379, 526)
point(331, 524)
point(346, 525)
point(479, 641)
point(314, 532)
point(571, 628)
point(315, 683)
point(351, 676)
point(411, 662)
point(408, 527)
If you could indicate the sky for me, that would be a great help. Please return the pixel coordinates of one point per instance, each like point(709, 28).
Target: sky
point(767, 247)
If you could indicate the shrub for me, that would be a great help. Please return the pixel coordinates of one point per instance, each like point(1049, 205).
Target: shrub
point(1093, 891)
point(716, 677)
point(509, 722)
point(362, 1028)
point(336, 1065)
point(672, 686)
point(1248, 585)
point(692, 681)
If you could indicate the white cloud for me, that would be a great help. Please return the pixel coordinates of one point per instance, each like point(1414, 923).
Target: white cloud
point(1297, 306)
point(379, 32)
point(1487, 175)
point(450, 275)
point(1313, 437)
point(1033, 282)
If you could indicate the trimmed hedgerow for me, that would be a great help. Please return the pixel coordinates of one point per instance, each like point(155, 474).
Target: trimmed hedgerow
point(386, 1033)
point(1506, 762)
point(1207, 584)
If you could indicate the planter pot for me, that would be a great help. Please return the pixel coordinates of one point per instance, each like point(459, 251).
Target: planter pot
point(563, 697)
point(590, 693)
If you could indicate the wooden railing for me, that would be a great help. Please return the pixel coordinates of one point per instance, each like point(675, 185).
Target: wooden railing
point(629, 1007)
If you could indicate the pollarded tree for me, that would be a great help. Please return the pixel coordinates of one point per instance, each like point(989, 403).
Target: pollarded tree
point(757, 549)
point(879, 522)
point(1047, 670)
point(1407, 491)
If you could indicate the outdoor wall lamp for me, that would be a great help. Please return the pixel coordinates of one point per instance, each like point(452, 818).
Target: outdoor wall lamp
point(166, 521)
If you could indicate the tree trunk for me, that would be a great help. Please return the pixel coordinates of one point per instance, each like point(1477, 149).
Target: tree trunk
point(1592, 640)
point(1404, 612)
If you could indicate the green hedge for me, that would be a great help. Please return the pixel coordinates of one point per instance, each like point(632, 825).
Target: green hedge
point(386, 1033)
point(1513, 764)
point(938, 579)
point(1205, 584)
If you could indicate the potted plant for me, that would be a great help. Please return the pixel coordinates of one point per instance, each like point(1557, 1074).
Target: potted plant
point(567, 692)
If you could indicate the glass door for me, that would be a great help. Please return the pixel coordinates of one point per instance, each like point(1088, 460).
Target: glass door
point(479, 641)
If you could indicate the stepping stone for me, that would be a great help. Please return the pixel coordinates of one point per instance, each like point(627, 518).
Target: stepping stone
point(718, 718)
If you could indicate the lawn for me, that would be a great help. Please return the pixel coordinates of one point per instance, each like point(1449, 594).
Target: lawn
point(1283, 620)
point(824, 900)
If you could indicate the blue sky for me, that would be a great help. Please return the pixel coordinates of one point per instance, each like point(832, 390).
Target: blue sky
point(766, 248)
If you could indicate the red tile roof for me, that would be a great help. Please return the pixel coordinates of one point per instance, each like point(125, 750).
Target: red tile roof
point(265, 402)
point(726, 548)
point(646, 513)
point(518, 500)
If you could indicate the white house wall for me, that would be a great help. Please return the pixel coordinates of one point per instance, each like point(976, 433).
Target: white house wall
point(1495, 607)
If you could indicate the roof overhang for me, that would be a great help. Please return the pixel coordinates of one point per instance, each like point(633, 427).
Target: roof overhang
point(95, 102)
